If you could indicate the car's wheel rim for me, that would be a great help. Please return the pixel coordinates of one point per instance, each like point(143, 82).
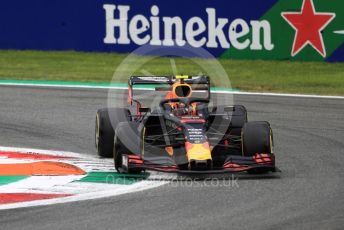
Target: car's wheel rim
point(271, 143)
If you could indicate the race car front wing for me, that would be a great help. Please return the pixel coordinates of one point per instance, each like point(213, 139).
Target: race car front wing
point(260, 162)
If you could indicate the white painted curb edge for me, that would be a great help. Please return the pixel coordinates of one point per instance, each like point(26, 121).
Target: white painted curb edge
point(139, 186)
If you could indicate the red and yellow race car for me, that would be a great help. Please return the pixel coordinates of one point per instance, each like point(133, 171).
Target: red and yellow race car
point(183, 133)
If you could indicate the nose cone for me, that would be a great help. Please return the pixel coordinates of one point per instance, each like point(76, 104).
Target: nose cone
point(198, 152)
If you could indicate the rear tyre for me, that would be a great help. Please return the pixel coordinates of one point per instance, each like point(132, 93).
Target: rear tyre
point(106, 122)
point(256, 138)
point(238, 118)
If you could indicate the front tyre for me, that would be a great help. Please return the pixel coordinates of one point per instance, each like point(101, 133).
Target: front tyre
point(125, 143)
point(106, 122)
point(256, 137)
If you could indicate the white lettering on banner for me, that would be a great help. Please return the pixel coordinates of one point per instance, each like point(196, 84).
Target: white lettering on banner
point(135, 30)
point(191, 32)
point(256, 27)
point(155, 27)
point(216, 32)
point(178, 25)
point(234, 34)
point(111, 23)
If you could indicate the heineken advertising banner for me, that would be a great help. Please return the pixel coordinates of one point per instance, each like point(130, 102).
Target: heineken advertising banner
point(242, 29)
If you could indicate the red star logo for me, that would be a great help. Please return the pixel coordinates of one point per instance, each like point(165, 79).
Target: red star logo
point(308, 25)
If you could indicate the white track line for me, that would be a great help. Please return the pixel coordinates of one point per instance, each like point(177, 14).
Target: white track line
point(87, 191)
point(41, 151)
point(285, 95)
point(147, 89)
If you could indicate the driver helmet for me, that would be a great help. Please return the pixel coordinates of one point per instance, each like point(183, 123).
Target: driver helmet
point(179, 90)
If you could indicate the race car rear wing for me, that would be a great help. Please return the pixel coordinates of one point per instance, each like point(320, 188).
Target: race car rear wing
point(168, 80)
point(196, 82)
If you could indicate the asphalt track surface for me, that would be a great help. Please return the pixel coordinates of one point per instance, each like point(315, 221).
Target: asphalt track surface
point(309, 143)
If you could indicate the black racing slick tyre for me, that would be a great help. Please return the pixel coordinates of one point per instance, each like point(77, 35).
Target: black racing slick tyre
point(239, 114)
point(126, 142)
point(119, 151)
point(256, 138)
point(238, 118)
point(106, 122)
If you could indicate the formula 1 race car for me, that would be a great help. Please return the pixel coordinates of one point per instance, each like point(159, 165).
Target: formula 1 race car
point(183, 133)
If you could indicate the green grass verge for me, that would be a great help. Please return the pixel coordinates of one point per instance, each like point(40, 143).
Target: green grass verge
point(247, 75)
